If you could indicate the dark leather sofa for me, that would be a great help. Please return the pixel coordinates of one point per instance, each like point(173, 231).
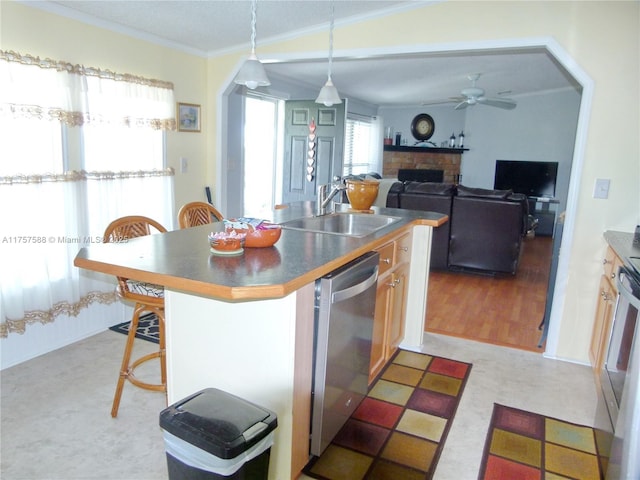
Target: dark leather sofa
point(485, 229)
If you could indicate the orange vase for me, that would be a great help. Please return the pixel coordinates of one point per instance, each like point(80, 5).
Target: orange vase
point(361, 193)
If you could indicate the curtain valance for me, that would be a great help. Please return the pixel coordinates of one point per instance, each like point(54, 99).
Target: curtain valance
point(75, 95)
point(75, 176)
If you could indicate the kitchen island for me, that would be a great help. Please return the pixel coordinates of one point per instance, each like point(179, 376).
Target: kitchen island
point(245, 324)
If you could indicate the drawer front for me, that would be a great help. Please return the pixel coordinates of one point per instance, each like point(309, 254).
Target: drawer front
point(611, 264)
point(386, 258)
point(403, 249)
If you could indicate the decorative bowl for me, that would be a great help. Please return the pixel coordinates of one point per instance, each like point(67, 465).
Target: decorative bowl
point(226, 242)
point(263, 237)
point(362, 193)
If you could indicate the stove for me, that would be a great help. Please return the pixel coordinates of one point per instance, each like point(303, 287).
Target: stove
point(635, 263)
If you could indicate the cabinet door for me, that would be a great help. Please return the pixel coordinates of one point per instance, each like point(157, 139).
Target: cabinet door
point(602, 324)
point(398, 300)
point(378, 338)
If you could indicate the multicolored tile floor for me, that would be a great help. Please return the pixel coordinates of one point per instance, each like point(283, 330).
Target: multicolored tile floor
point(399, 429)
point(528, 446)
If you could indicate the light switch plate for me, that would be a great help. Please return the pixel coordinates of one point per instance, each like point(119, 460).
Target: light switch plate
point(601, 189)
point(184, 165)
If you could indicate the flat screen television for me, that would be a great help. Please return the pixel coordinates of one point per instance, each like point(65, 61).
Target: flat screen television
point(534, 179)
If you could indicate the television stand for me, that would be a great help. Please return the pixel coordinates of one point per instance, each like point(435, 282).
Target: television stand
point(545, 209)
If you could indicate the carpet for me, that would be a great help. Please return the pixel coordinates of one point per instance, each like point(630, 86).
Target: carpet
point(526, 446)
point(399, 429)
point(147, 328)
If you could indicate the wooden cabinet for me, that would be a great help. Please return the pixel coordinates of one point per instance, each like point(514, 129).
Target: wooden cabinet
point(389, 320)
point(607, 294)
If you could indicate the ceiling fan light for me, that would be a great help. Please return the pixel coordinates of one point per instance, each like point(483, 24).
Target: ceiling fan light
point(328, 95)
point(252, 73)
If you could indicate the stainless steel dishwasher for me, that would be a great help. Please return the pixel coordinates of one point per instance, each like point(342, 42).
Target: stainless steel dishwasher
point(345, 306)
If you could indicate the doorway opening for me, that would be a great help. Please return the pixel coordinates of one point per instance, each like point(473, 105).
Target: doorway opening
point(558, 54)
point(262, 172)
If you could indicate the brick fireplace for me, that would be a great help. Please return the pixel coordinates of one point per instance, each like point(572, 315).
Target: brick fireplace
point(423, 158)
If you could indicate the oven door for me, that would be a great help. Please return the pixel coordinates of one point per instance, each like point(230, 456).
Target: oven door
point(621, 380)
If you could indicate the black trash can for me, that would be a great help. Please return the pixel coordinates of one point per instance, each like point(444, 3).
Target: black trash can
point(213, 434)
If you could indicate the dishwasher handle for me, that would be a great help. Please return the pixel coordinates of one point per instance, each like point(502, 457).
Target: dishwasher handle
point(350, 292)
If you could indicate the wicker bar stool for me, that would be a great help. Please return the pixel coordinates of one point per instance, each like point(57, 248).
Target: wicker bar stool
point(198, 213)
point(147, 298)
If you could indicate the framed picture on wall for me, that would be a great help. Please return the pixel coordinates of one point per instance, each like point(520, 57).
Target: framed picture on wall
point(188, 117)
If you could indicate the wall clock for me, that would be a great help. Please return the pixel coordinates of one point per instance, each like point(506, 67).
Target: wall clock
point(422, 127)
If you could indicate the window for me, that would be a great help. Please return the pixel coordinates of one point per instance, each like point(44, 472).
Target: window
point(118, 148)
point(81, 147)
point(30, 146)
point(361, 146)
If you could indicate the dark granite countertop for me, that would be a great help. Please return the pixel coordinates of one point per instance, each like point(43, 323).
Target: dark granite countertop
point(622, 244)
point(181, 259)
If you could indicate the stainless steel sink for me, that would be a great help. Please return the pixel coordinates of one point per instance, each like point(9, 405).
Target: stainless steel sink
point(348, 224)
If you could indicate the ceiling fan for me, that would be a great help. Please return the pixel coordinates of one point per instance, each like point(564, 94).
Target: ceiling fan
point(474, 95)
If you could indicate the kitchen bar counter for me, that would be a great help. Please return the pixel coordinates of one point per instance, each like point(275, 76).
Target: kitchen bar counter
point(245, 324)
point(181, 259)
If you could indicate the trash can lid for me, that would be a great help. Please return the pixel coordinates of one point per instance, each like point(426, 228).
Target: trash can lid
point(218, 422)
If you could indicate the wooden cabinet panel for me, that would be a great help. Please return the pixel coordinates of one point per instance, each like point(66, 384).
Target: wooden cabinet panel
point(378, 340)
point(389, 319)
point(398, 297)
point(607, 294)
point(602, 324)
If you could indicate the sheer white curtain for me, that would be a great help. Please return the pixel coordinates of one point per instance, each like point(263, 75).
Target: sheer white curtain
point(51, 205)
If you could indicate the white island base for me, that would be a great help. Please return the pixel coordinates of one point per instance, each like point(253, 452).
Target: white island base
point(262, 351)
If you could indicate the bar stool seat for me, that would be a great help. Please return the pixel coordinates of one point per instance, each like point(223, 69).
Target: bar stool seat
point(148, 298)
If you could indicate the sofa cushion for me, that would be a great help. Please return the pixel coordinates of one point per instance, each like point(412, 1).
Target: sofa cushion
point(483, 192)
point(429, 188)
point(485, 234)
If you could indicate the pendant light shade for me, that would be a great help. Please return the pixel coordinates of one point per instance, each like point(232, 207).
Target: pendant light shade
point(329, 93)
point(252, 73)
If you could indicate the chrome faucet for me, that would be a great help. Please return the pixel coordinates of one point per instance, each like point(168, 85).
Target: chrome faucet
point(323, 198)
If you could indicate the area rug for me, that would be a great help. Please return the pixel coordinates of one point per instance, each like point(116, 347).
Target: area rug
point(526, 446)
point(147, 328)
point(399, 429)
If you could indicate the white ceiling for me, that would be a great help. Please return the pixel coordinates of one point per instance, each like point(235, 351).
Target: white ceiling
point(211, 27)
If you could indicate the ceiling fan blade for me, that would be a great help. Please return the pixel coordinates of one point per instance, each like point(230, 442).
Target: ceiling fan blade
point(505, 103)
point(461, 105)
point(443, 100)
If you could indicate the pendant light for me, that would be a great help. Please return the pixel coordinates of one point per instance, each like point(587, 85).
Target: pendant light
point(329, 93)
point(252, 73)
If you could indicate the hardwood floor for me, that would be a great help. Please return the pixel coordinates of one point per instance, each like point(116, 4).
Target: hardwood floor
point(501, 310)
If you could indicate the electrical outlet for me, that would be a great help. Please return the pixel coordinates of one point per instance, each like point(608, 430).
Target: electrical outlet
point(184, 165)
point(601, 189)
